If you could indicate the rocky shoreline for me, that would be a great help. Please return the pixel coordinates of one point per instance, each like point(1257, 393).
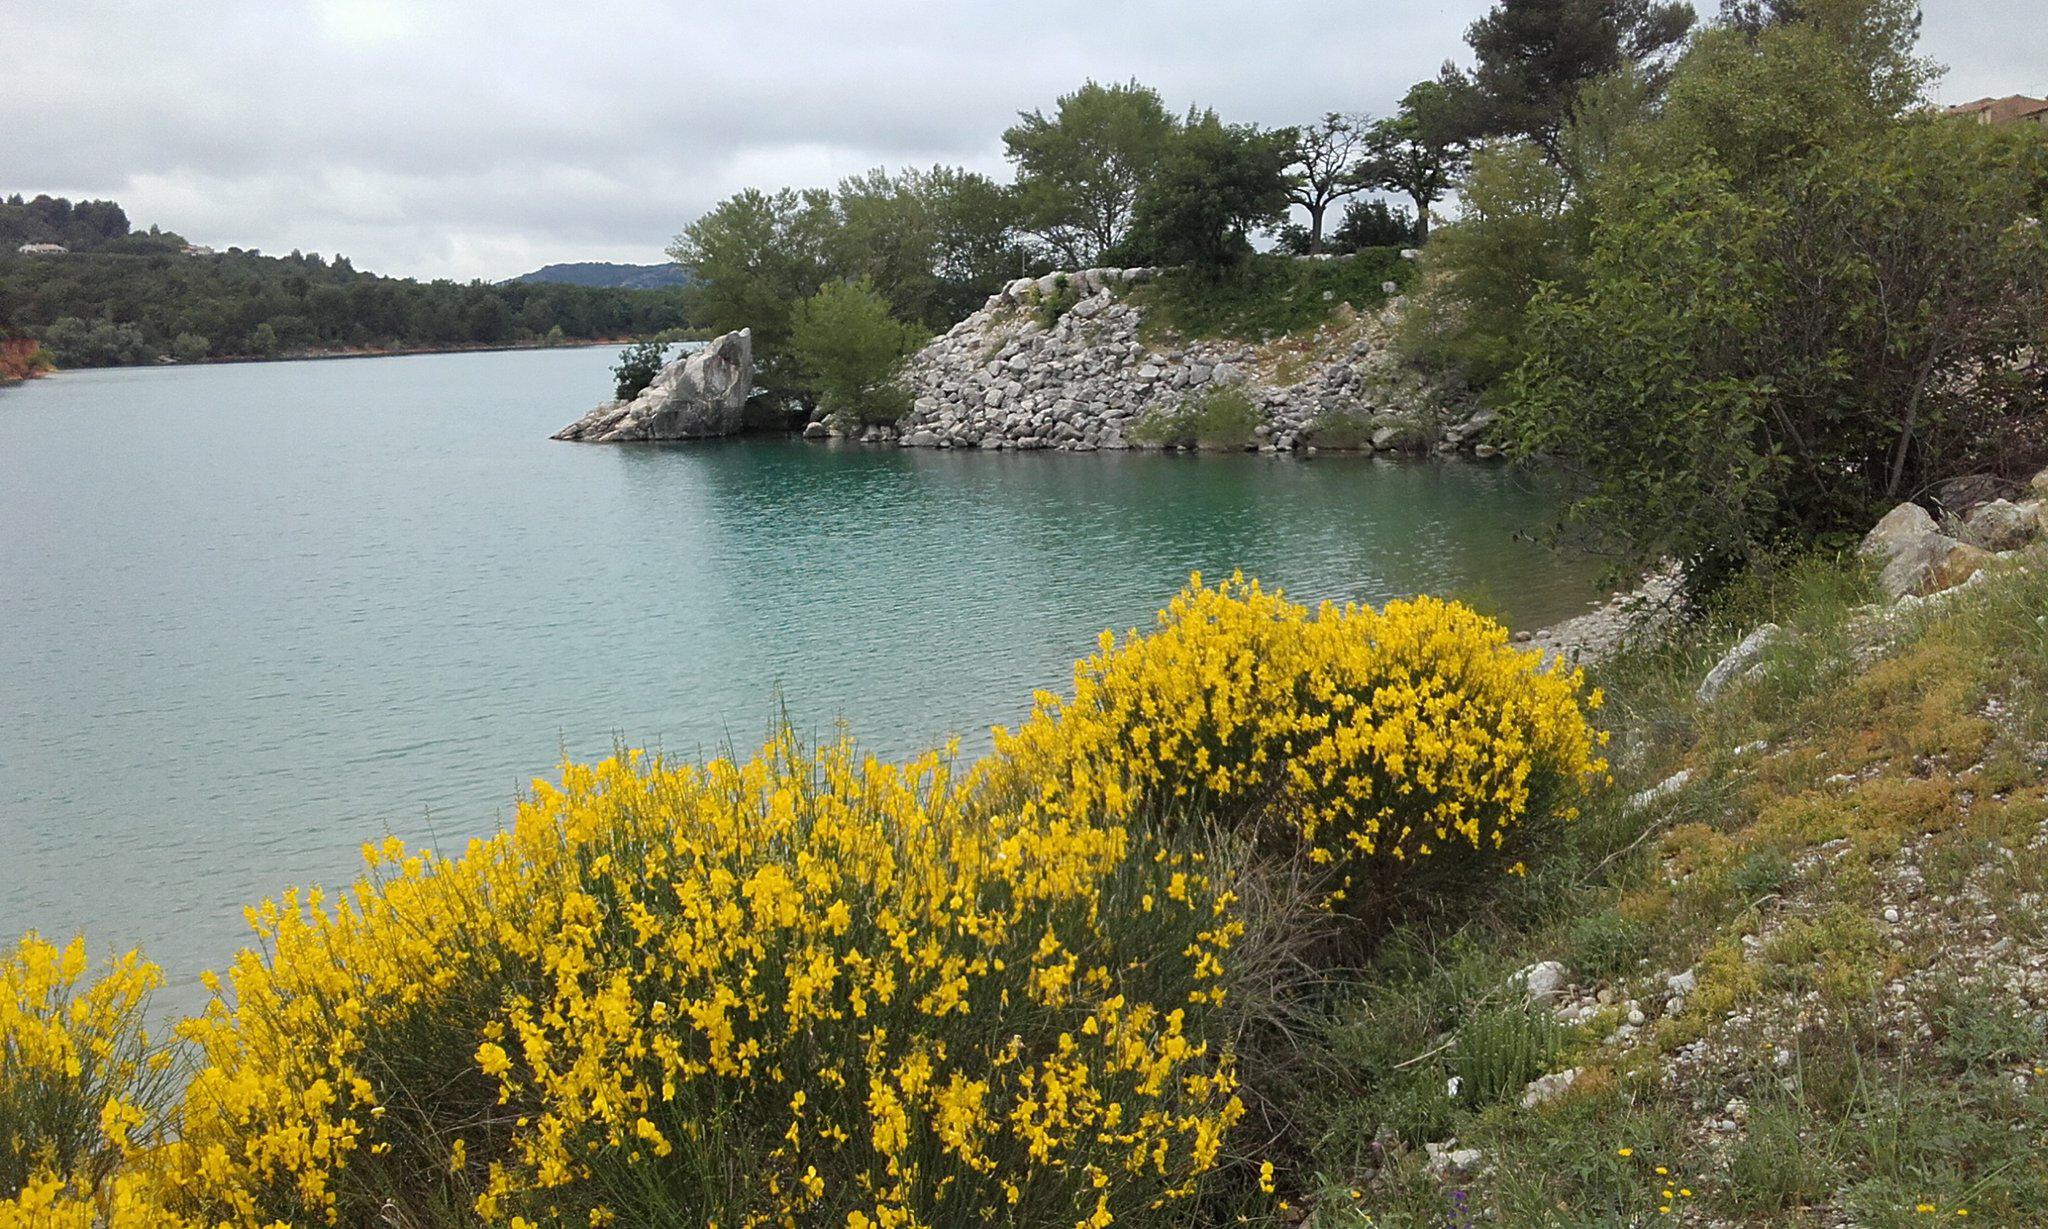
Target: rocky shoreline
point(1064, 362)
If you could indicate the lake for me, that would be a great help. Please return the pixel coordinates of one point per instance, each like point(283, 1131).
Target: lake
point(252, 616)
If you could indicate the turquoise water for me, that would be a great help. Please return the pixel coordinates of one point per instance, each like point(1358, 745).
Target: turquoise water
point(252, 616)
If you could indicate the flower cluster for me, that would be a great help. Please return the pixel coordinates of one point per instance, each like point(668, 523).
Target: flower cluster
point(1362, 736)
point(807, 988)
point(76, 1074)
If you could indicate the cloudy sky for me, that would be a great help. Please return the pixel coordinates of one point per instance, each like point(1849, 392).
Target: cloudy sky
point(481, 138)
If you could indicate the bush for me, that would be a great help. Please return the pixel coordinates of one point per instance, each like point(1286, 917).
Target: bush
point(1221, 418)
point(638, 364)
point(1340, 429)
point(1266, 296)
point(1748, 368)
point(807, 988)
point(1364, 741)
point(79, 1082)
point(190, 348)
point(850, 352)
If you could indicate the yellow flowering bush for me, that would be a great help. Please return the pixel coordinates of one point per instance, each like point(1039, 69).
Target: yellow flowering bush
point(1365, 738)
point(804, 989)
point(78, 1078)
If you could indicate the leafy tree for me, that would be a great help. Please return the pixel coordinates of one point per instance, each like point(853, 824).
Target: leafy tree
point(850, 350)
point(935, 243)
point(1838, 70)
point(190, 348)
point(1534, 56)
point(1216, 185)
point(99, 343)
point(638, 364)
point(1518, 230)
point(1080, 170)
point(1326, 154)
point(1745, 366)
point(1418, 151)
point(1375, 224)
point(755, 256)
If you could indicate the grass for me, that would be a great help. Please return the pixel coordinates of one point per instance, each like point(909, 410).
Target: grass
point(1265, 296)
point(1830, 1066)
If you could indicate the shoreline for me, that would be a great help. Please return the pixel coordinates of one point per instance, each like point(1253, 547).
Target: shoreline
point(398, 352)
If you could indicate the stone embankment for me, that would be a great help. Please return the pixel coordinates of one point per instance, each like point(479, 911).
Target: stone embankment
point(1065, 361)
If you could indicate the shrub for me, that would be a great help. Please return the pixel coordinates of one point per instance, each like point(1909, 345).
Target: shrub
point(807, 988)
point(638, 364)
point(1363, 739)
point(1221, 418)
point(1265, 296)
point(78, 1079)
point(850, 351)
point(1341, 429)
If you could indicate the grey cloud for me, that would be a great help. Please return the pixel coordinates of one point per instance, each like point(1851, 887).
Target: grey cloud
point(478, 138)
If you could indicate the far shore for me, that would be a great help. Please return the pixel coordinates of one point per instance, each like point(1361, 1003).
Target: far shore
point(365, 352)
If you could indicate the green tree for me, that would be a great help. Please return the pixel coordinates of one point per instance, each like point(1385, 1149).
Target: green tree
point(1216, 186)
point(1079, 170)
point(638, 364)
point(849, 352)
point(1326, 158)
point(1745, 367)
point(1518, 230)
point(1534, 56)
point(190, 348)
point(754, 257)
point(1418, 151)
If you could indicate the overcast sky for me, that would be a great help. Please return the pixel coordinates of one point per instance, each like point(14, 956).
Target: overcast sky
point(482, 138)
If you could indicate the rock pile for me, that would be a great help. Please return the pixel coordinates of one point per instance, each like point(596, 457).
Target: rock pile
point(1060, 362)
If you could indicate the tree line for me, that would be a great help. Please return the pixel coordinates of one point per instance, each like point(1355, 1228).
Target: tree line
point(123, 297)
point(838, 285)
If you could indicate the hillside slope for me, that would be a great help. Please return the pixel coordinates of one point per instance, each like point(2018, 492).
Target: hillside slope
point(1794, 972)
point(607, 275)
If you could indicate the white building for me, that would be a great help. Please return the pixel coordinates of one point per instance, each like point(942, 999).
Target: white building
point(42, 249)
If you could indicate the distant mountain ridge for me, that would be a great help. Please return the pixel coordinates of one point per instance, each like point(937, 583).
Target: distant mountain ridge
point(607, 274)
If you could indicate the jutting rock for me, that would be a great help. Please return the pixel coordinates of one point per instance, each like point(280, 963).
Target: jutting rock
point(701, 395)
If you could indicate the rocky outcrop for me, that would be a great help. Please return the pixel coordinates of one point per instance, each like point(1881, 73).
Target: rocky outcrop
point(1917, 557)
point(701, 395)
point(1062, 362)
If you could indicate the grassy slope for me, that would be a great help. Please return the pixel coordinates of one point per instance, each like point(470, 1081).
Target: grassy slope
point(1854, 874)
point(1266, 297)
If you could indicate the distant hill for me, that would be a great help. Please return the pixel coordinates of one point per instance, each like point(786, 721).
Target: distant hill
point(605, 274)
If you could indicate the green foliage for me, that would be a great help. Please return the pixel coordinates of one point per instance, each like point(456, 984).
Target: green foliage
point(83, 227)
point(638, 364)
point(1268, 295)
point(1534, 57)
point(1079, 171)
point(99, 343)
point(1215, 185)
point(1747, 366)
point(1500, 1050)
point(755, 257)
point(1327, 155)
point(849, 352)
point(1366, 224)
point(1221, 419)
point(935, 243)
point(1605, 944)
point(248, 304)
point(1518, 231)
point(1340, 429)
point(1419, 151)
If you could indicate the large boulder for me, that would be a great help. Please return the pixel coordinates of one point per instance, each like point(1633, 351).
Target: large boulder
point(701, 395)
point(1914, 552)
point(2002, 525)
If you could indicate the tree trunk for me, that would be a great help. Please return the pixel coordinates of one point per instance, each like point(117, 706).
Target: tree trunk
point(1315, 227)
point(1421, 221)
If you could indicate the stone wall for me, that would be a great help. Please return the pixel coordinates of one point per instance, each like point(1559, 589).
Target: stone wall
point(1061, 362)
